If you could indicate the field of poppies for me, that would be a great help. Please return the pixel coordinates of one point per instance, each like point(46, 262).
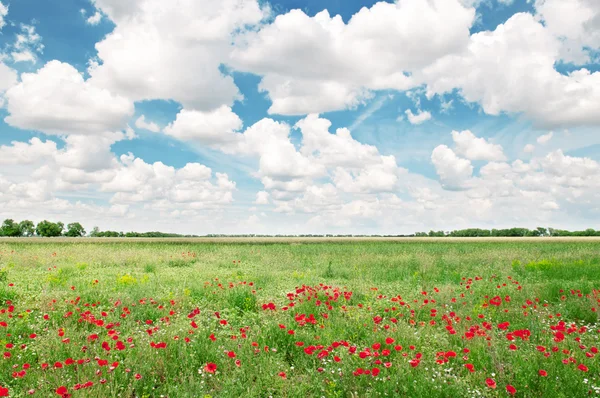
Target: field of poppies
point(296, 319)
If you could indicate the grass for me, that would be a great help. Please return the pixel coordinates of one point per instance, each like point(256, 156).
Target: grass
point(302, 317)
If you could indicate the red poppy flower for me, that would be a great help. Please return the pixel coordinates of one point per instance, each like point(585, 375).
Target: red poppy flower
point(282, 375)
point(491, 383)
point(582, 367)
point(231, 354)
point(542, 373)
point(3, 392)
point(210, 367)
point(511, 390)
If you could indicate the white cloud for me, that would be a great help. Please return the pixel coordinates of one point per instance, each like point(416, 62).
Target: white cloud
point(8, 78)
point(419, 118)
point(319, 64)
point(262, 198)
point(94, 19)
point(529, 148)
point(27, 44)
point(576, 23)
point(3, 14)
point(162, 186)
point(141, 123)
point(544, 139)
point(22, 153)
point(453, 170)
point(473, 148)
point(527, 83)
point(160, 51)
point(216, 128)
point(57, 100)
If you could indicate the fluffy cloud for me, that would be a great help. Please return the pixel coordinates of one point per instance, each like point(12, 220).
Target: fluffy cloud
point(454, 171)
point(576, 23)
point(163, 186)
point(262, 198)
point(3, 14)
point(8, 78)
point(526, 83)
point(141, 123)
point(544, 139)
point(473, 148)
point(172, 52)
point(22, 153)
point(94, 19)
point(57, 100)
point(216, 128)
point(419, 118)
point(318, 64)
point(26, 46)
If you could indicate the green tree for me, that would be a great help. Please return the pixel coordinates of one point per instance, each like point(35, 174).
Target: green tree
point(75, 230)
point(27, 228)
point(95, 232)
point(10, 228)
point(47, 228)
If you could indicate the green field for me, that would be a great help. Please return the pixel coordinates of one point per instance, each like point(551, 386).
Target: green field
point(297, 318)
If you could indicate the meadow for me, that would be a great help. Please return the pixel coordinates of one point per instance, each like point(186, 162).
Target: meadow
point(299, 318)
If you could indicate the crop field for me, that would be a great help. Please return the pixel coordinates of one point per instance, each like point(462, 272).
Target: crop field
point(347, 318)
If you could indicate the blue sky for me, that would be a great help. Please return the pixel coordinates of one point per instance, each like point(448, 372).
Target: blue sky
point(398, 117)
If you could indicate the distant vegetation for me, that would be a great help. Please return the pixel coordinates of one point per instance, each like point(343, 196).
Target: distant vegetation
point(11, 228)
point(510, 232)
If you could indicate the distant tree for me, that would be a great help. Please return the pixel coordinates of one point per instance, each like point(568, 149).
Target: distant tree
point(27, 228)
point(75, 230)
point(47, 229)
point(95, 232)
point(10, 228)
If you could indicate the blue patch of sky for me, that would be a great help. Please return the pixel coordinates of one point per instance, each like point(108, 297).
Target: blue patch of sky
point(344, 8)
point(491, 13)
point(65, 34)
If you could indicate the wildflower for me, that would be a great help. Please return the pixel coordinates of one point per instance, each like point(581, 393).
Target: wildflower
point(210, 367)
point(511, 390)
point(491, 383)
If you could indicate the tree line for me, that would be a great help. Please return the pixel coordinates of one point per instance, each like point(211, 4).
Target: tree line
point(11, 228)
point(508, 232)
point(44, 228)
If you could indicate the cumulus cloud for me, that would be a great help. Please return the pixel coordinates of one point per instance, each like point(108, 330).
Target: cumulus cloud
point(319, 64)
point(473, 148)
point(419, 118)
point(141, 123)
point(526, 83)
point(544, 139)
point(216, 128)
point(172, 52)
point(454, 171)
point(57, 100)
point(94, 19)
point(576, 23)
point(27, 44)
point(3, 14)
point(262, 198)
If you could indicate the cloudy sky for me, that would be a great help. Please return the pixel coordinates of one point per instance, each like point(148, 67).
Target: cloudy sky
point(301, 116)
